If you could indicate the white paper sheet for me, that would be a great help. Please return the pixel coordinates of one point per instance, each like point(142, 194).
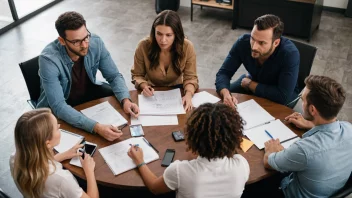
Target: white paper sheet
point(116, 155)
point(67, 141)
point(290, 142)
point(203, 97)
point(276, 129)
point(155, 120)
point(162, 103)
point(104, 113)
point(253, 114)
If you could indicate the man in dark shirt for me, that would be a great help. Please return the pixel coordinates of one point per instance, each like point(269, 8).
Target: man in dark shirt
point(272, 62)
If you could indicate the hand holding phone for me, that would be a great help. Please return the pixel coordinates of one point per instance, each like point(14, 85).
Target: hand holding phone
point(168, 157)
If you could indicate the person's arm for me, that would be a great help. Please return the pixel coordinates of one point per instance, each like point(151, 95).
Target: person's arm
point(155, 184)
point(290, 159)
point(88, 165)
point(287, 81)
point(49, 74)
point(138, 70)
point(229, 67)
point(111, 73)
point(190, 78)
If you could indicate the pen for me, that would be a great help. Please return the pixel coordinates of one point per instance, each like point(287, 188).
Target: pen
point(146, 141)
point(267, 132)
point(151, 89)
point(122, 126)
point(118, 128)
point(136, 146)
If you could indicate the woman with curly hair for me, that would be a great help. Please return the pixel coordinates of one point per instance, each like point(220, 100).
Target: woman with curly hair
point(35, 169)
point(166, 58)
point(213, 132)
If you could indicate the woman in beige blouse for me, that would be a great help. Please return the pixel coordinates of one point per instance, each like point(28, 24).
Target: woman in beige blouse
point(166, 58)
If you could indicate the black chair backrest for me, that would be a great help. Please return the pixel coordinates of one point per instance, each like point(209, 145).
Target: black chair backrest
point(345, 191)
point(307, 54)
point(30, 70)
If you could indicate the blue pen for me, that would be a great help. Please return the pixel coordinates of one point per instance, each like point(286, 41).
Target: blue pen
point(267, 132)
point(136, 146)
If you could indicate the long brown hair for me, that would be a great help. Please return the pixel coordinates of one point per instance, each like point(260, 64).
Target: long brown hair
point(31, 165)
point(214, 131)
point(171, 19)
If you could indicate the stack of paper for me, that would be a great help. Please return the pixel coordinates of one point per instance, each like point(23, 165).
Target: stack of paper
point(253, 114)
point(67, 141)
point(276, 129)
point(116, 155)
point(104, 113)
point(155, 120)
point(162, 103)
point(203, 97)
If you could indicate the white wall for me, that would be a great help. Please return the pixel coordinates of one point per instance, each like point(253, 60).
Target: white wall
point(335, 3)
point(329, 3)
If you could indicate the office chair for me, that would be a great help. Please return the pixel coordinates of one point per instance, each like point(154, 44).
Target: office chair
point(307, 55)
point(3, 195)
point(345, 191)
point(30, 70)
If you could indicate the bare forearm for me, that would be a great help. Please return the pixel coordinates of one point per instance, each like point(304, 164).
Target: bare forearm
point(149, 177)
point(190, 88)
point(92, 188)
point(60, 157)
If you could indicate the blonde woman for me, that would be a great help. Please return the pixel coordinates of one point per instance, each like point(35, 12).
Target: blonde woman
point(35, 169)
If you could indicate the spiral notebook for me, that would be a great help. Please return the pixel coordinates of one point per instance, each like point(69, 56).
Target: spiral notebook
point(258, 120)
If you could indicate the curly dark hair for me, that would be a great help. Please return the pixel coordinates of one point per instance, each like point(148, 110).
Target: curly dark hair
point(214, 131)
point(171, 19)
point(69, 21)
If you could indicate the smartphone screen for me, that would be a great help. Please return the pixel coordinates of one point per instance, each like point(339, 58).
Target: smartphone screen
point(168, 157)
point(90, 148)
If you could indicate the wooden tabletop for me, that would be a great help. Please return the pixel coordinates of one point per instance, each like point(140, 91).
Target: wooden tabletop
point(160, 137)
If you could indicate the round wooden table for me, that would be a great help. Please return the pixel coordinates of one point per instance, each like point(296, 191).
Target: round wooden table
point(160, 137)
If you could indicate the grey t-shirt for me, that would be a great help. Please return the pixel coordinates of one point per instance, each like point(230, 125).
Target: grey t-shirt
point(60, 183)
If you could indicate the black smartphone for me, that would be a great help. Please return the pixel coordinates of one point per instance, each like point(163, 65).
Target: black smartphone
point(178, 136)
point(168, 157)
point(89, 148)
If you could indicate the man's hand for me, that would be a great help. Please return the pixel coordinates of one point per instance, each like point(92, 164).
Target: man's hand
point(228, 99)
point(187, 101)
point(273, 146)
point(298, 120)
point(108, 132)
point(245, 82)
point(130, 108)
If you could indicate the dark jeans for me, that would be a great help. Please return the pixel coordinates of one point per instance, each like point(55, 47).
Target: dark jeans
point(268, 187)
point(95, 92)
point(236, 87)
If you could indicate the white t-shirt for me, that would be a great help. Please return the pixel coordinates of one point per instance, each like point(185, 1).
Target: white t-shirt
point(199, 178)
point(59, 184)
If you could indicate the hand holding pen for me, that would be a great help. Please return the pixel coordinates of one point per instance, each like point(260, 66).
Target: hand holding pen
point(136, 154)
point(147, 90)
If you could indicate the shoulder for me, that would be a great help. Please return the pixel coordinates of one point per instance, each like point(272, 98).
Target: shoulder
point(288, 47)
point(241, 161)
point(245, 38)
point(144, 44)
point(51, 52)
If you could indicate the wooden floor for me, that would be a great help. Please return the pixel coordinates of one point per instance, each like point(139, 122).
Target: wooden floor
point(121, 24)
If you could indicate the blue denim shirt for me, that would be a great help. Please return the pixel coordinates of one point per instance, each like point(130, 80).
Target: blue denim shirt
point(321, 162)
point(276, 78)
point(55, 68)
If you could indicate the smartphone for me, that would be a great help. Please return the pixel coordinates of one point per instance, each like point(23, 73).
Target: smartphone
point(168, 157)
point(89, 148)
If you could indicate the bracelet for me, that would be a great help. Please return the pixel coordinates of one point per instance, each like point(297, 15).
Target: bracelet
point(141, 164)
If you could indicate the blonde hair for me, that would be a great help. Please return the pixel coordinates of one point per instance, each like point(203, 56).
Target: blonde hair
point(31, 163)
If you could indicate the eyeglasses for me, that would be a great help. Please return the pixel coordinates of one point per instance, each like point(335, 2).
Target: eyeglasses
point(77, 43)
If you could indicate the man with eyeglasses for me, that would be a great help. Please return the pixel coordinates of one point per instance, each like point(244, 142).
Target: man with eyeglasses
point(67, 70)
point(272, 62)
